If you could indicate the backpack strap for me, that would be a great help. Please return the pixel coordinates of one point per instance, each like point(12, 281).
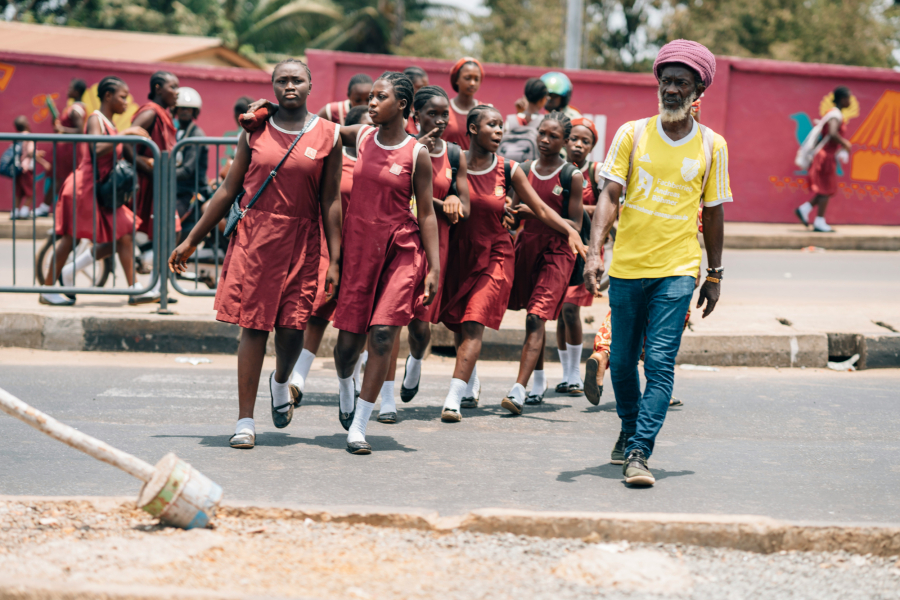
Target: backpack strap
point(639, 126)
point(592, 174)
point(709, 140)
point(453, 157)
point(565, 181)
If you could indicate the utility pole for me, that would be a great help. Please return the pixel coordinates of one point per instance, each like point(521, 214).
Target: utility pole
point(574, 27)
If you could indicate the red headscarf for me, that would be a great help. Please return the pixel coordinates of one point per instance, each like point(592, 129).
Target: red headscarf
point(454, 72)
point(585, 122)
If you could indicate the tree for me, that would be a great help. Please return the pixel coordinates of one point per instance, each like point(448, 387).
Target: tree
point(848, 32)
point(524, 32)
point(619, 36)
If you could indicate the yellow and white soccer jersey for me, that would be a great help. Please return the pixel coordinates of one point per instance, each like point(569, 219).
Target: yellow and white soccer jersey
point(657, 233)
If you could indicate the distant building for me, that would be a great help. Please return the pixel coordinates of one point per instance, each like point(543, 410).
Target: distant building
point(104, 44)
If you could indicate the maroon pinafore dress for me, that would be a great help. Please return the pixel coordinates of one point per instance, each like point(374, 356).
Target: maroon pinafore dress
point(544, 261)
point(383, 261)
point(270, 275)
point(89, 219)
point(480, 276)
point(578, 294)
point(456, 126)
point(322, 309)
point(65, 150)
point(164, 136)
point(441, 179)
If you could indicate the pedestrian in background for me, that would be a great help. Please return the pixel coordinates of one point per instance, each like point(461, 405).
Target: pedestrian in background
point(560, 93)
point(465, 79)
point(191, 161)
point(823, 171)
point(358, 90)
point(420, 79)
point(78, 213)
point(668, 164)
point(71, 121)
point(27, 156)
point(270, 276)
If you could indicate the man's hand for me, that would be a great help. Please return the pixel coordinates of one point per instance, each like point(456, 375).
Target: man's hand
point(332, 280)
point(593, 272)
point(431, 286)
point(710, 293)
point(178, 260)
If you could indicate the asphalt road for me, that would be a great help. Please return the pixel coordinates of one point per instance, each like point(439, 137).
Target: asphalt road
point(810, 445)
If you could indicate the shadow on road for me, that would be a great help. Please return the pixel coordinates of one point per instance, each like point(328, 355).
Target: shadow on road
point(609, 471)
point(275, 439)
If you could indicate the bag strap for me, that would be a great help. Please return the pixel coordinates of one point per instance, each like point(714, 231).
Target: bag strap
point(639, 126)
point(453, 156)
point(565, 181)
point(709, 140)
point(274, 171)
point(507, 174)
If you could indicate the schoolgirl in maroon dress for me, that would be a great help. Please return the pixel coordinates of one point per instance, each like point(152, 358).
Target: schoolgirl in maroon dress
point(465, 78)
point(358, 90)
point(391, 255)
point(480, 275)
point(432, 108)
point(78, 215)
point(270, 275)
point(71, 121)
point(544, 262)
point(569, 333)
point(155, 117)
point(326, 300)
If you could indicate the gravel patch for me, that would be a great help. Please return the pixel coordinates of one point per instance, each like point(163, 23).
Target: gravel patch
point(74, 544)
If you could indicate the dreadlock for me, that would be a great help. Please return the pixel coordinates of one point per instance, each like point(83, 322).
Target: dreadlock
point(426, 93)
point(563, 121)
point(403, 88)
point(475, 116)
point(293, 60)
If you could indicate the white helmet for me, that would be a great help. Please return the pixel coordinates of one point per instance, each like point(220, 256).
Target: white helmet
point(188, 98)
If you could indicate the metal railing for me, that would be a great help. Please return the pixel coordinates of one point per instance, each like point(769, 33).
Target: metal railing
point(84, 143)
point(208, 258)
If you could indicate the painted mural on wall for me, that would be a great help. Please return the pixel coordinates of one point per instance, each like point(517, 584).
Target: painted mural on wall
point(876, 144)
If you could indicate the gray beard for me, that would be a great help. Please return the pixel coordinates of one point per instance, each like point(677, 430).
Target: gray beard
point(675, 115)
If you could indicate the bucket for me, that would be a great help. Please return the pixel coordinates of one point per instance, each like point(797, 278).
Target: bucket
point(179, 495)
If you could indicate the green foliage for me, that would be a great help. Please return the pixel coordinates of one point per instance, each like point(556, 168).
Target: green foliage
point(618, 35)
point(848, 32)
point(525, 32)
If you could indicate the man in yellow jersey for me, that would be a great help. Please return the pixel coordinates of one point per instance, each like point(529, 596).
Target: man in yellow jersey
point(667, 164)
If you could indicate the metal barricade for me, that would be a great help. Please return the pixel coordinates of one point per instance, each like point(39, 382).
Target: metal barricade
point(209, 256)
point(46, 269)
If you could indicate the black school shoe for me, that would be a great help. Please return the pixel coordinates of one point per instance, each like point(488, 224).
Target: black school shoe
point(359, 448)
point(280, 419)
point(407, 394)
point(346, 419)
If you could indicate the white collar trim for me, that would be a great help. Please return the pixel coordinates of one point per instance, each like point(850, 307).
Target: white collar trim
point(383, 147)
point(353, 158)
point(442, 152)
point(459, 110)
point(680, 142)
point(542, 177)
point(283, 130)
point(488, 170)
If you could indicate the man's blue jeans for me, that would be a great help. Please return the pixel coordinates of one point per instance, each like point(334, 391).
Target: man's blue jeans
point(655, 308)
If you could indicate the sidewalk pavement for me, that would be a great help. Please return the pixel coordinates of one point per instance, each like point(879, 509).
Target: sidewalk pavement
point(738, 236)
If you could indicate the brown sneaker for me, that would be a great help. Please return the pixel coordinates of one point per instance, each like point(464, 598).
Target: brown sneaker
point(593, 378)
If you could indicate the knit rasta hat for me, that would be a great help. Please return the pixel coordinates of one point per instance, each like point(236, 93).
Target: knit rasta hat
point(693, 54)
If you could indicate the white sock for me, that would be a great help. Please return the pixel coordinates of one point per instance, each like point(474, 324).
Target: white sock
point(388, 404)
point(281, 395)
point(360, 420)
point(805, 209)
point(473, 383)
point(301, 369)
point(357, 370)
point(82, 261)
point(413, 372)
point(245, 426)
point(457, 387)
point(574, 352)
point(518, 392)
point(348, 394)
point(820, 222)
point(539, 386)
point(564, 360)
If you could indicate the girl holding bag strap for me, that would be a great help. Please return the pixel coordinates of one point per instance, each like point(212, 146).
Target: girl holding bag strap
point(269, 279)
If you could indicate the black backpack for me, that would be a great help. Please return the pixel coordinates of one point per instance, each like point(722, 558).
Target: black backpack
point(565, 181)
point(453, 156)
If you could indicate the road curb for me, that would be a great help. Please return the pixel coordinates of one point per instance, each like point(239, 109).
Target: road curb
point(737, 532)
point(185, 335)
